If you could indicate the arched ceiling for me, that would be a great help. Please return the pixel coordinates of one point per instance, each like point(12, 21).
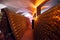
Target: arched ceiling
point(28, 5)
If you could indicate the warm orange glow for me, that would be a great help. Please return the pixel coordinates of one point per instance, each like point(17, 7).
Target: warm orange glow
point(42, 8)
point(32, 9)
point(58, 17)
point(38, 2)
point(34, 5)
point(58, 10)
point(35, 18)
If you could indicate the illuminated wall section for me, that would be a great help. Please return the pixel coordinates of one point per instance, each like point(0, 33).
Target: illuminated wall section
point(38, 2)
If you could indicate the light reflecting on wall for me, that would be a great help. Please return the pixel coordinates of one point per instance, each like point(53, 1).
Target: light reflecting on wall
point(28, 15)
point(50, 4)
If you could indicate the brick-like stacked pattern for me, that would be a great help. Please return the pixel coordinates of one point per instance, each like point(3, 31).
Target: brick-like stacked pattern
point(47, 25)
point(18, 23)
